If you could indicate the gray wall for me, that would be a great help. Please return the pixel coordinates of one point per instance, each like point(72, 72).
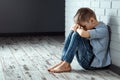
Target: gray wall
point(18, 16)
point(107, 11)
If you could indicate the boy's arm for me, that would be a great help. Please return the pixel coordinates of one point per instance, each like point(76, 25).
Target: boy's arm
point(93, 33)
point(83, 33)
point(98, 33)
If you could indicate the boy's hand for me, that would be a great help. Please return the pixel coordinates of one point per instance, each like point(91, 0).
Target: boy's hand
point(75, 27)
point(83, 33)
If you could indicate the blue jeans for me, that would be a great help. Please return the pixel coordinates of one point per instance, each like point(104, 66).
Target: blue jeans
point(79, 46)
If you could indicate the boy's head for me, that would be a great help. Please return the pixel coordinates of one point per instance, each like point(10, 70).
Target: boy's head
point(86, 18)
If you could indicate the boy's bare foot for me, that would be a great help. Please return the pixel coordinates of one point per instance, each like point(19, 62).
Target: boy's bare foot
point(55, 66)
point(63, 67)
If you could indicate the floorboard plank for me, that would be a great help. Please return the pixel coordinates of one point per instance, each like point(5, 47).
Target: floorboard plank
point(1, 72)
point(26, 65)
point(11, 69)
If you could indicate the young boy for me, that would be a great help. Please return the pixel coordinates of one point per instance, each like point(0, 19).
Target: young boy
point(88, 40)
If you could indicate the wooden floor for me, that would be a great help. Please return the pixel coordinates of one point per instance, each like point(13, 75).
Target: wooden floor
point(27, 58)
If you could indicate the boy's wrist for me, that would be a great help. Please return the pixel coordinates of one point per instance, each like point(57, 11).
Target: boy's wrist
point(83, 33)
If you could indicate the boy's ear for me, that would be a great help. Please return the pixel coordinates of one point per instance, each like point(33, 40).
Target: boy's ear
point(92, 20)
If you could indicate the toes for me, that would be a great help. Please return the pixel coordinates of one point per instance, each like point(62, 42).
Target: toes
point(49, 69)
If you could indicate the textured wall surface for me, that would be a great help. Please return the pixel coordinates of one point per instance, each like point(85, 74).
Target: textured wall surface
point(107, 11)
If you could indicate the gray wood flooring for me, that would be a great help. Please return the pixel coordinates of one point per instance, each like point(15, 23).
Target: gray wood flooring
point(27, 58)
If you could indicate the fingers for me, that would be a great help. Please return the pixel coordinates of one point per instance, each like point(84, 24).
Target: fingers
point(75, 27)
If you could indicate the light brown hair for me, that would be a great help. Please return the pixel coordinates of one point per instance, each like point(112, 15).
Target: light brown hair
point(84, 15)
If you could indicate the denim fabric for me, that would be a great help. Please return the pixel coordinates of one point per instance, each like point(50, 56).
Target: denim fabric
point(79, 46)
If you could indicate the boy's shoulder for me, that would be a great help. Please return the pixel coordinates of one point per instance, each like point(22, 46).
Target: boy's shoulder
point(101, 25)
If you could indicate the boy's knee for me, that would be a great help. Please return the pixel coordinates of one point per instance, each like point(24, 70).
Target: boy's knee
point(75, 34)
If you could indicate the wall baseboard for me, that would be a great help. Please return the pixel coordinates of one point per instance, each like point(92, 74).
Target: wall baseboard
point(32, 34)
point(115, 69)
